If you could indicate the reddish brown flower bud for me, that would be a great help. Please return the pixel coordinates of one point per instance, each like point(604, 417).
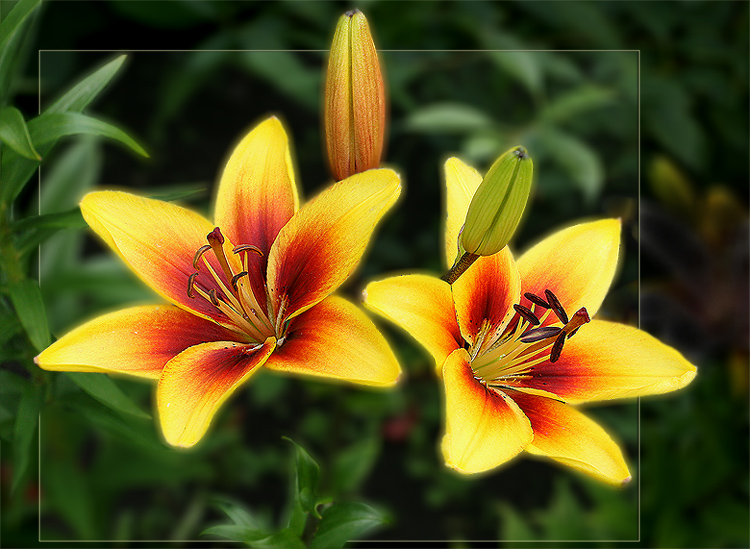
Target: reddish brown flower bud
point(354, 99)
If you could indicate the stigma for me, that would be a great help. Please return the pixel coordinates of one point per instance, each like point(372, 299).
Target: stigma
point(527, 340)
point(231, 294)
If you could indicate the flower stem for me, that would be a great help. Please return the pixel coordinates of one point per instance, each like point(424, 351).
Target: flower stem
point(459, 267)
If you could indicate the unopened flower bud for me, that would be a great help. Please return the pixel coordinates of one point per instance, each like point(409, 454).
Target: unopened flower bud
point(498, 204)
point(354, 99)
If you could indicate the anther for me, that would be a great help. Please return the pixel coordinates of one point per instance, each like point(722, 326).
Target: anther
point(537, 334)
point(527, 314)
point(556, 306)
point(202, 250)
point(247, 248)
point(191, 281)
point(536, 300)
point(557, 347)
point(212, 295)
point(236, 277)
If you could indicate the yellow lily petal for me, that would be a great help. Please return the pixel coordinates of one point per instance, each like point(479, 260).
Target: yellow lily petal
point(566, 435)
point(423, 306)
point(336, 340)
point(484, 427)
point(577, 264)
point(158, 241)
point(323, 243)
point(257, 194)
point(461, 182)
point(138, 341)
point(197, 381)
point(484, 296)
point(606, 360)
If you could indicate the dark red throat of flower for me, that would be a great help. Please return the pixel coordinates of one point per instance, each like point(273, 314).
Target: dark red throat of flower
point(229, 294)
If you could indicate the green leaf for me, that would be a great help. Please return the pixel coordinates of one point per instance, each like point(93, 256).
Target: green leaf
point(137, 430)
point(27, 418)
point(575, 102)
point(64, 220)
point(234, 532)
point(285, 539)
point(103, 389)
point(15, 134)
point(247, 530)
point(11, 37)
point(70, 492)
point(9, 326)
point(306, 482)
point(171, 196)
point(514, 526)
point(236, 513)
point(48, 128)
point(285, 71)
point(73, 172)
point(353, 463)
point(448, 118)
point(45, 130)
point(576, 158)
point(27, 301)
point(17, 170)
point(521, 65)
point(562, 519)
point(11, 383)
point(80, 95)
point(342, 522)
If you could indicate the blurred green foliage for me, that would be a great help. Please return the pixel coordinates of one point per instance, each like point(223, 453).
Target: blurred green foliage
point(597, 91)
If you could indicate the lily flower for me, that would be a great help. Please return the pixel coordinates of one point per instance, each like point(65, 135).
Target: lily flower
point(252, 289)
point(516, 348)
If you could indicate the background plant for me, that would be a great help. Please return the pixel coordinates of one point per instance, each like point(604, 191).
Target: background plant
point(577, 113)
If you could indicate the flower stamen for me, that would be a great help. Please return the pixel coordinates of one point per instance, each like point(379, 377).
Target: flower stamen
point(191, 282)
point(536, 300)
point(212, 296)
point(538, 334)
point(238, 304)
point(525, 343)
point(557, 347)
point(527, 314)
point(556, 306)
point(235, 278)
point(202, 250)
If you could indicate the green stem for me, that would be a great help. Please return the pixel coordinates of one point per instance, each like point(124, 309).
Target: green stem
point(466, 261)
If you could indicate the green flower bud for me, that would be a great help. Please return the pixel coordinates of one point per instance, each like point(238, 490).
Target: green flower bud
point(498, 204)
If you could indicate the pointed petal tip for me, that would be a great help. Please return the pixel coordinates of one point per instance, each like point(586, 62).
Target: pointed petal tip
point(626, 480)
point(273, 126)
